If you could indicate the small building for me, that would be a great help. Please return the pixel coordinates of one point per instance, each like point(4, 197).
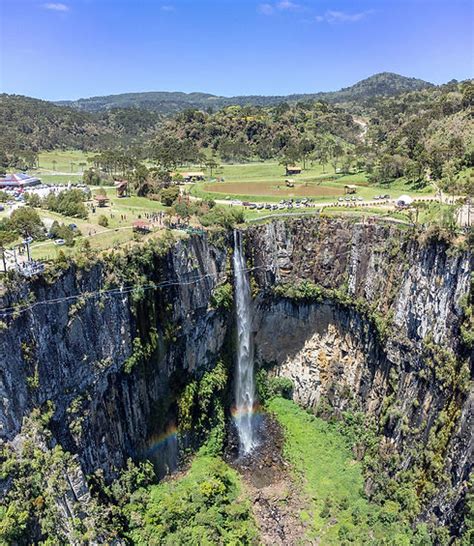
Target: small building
point(350, 188)
point(18, 180)
point(121, 187)
point(140, 226)
point(193, 176)
point(102, 200)
point(290, 183)
point(292, 169)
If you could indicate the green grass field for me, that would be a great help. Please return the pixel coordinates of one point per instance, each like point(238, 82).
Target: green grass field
point(338, 511)
point(67, 161)
point(266, 182)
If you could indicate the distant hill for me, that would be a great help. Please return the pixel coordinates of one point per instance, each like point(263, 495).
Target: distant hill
point(385, 83)
point(33, 125)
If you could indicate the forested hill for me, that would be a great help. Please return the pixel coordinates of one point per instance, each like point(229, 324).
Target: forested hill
point(386, 84)
point(32, 125)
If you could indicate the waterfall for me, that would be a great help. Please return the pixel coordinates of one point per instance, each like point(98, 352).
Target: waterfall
point(244, 380)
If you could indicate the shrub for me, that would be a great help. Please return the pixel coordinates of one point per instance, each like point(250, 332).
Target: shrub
point(169, 195)
point(222, 216)
point(103, 221)
point(27, 222)
point(302, 291)
point(222, 297)
point(280, 386)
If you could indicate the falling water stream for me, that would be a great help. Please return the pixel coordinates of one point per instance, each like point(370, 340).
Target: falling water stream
point(244, 380)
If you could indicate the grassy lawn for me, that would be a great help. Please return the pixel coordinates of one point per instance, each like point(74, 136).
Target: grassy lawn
point(265, 181)
point(63, 161)
point(120, 214)
point(333, 483)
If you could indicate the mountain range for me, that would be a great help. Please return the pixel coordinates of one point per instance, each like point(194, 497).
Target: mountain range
point(163, 102)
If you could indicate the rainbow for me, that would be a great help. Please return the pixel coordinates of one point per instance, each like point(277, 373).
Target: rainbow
point(162, 440)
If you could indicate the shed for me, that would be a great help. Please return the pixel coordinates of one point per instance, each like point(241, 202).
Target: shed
point(293, 169)
point(193, 176)
point(102, 200)
point(140, 226)
point(350, 188)
point(121, 187)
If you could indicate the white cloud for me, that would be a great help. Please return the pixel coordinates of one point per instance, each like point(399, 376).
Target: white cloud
point(286, 5)
point(56, 6)
point(283, 5)
point(266, 9)
point(342, 16)
point(167, 8)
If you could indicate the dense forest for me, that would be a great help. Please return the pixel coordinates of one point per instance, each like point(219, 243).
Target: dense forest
point(421, 134)
point(31, 125)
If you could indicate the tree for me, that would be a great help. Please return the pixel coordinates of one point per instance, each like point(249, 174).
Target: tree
point(211, 164)
point(169, 195)
point(305, 147)
point(26, 222)
point(6, 238)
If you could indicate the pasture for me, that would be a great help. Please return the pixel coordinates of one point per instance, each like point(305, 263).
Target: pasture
point(265, 181)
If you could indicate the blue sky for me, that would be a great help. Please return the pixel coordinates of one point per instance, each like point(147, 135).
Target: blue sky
point(66, 49)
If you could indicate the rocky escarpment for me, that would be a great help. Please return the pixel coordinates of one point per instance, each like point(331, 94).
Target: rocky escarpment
point(381, 334)
point(84, 344)
point(376, 328)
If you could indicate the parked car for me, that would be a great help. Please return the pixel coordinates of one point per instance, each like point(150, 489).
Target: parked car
point(252, 206)
point(59, 242)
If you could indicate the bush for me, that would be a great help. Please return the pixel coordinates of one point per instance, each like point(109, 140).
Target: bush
point(169, 195)
point(203, 507)
point(103, 220)
point(280, 386)
point(27, 222)
point(302, 291)
point(61, 231)
point(222, 297)
point(68, 202)
point(222, 216)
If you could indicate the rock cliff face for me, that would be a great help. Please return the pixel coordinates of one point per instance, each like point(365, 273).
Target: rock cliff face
point(113, 360)
point(384, 337)
point(77, 346)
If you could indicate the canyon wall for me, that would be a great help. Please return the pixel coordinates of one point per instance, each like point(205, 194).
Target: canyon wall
point(113, 359)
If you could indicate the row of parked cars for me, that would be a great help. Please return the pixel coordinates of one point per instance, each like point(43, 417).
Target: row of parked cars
point(283, 204)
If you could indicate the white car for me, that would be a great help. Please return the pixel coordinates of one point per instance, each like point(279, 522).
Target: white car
point(59, 242)
point(236, 202)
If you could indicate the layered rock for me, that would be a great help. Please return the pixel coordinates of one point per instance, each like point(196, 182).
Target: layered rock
point(387, 300)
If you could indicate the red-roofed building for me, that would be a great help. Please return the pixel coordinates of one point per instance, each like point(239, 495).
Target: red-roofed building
point(18, 180)
point(140, 226)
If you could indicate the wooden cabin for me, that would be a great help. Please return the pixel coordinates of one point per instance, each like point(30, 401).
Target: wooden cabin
point(350, 188)
point(102, 200)
point(140, 226)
